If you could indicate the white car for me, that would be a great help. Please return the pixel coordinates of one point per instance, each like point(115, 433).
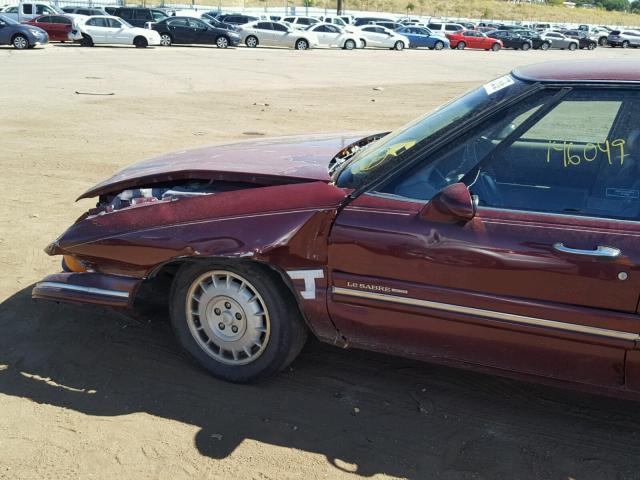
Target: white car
point(328, 35)
point(275, 34)
point(376, 36)
point(300, 22)
point(105, 29)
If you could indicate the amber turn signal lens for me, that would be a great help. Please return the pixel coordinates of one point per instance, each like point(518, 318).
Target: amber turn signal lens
point(73, 264)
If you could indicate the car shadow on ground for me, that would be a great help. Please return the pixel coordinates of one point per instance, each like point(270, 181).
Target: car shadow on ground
point(364, 412)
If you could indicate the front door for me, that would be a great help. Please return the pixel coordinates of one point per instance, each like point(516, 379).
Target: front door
point(543, 280)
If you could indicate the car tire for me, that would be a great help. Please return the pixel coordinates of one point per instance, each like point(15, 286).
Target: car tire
point(301, 44)
point(625, 44)
point(251, 41)
point(545, 46)
point(222, 42)
point(526, 46)
point(86, 41)
point(247, 327)
point(602, 42)
point(398, 45)
point(349, 45)
point(495, 47)
point(438, 45)
point(140, 42)
point(20, 42)
point(363, 43)
point(461, 46)
point(591, 46)
point(165, 40)
point(572, 46)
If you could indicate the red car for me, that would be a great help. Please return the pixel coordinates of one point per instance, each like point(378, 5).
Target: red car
point(473, 39)
point(57, 26)
point(500, 232)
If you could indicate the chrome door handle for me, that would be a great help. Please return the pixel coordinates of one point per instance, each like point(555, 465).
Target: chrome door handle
point(600, 251)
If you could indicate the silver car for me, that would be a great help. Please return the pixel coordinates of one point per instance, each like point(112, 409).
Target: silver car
point(624, 38)
point(275, 34)
point(560, 41)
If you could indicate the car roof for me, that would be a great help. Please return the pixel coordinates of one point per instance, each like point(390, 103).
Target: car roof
point(581, 71)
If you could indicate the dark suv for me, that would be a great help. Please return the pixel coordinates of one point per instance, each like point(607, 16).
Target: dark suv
point(236, 19)
point(138, 17)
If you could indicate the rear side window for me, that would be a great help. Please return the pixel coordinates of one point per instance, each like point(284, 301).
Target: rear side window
point(27, 8)
point(45, 20)
point(178, 22)
point(263, 26)
point(125, 13)
point(279, 28)
point(142, 15)
point(97, 22)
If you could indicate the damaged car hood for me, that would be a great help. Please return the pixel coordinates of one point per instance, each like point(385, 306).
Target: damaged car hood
point(270, 161)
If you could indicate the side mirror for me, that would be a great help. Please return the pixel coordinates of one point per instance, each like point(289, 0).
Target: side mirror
point(453, 204)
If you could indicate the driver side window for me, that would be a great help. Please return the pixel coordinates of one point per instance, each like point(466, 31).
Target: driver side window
point(450, 165)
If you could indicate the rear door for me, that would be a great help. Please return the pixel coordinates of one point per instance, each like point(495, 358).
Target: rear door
point(179, 30)
point(96, 28)
point(544, 280)
point(199, 32)
point(266, 35)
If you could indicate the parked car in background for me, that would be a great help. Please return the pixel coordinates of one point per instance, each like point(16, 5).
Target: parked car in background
point(275, 34)
point(329, 35)
point(584, 41)
point(58, 27)
point(422, 37)
point(560, 41)
point(361, 21)
point(348, 19)
point(104, 29)
point(237, 19)
point(19, 35)
point(624, 38)
point(537, 42)
point(189, 30)
point(24, 12)
point(600, 33)
point(214, 22)
point(88, 11)
point(139, 17)
point(389, 25)
point(300, 22)
point(380, 37)
point(473, 39)
point(510, 39)
point(334, 19)
point(444, 28)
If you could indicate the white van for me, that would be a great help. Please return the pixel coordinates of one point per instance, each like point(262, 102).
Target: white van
point(27, 11)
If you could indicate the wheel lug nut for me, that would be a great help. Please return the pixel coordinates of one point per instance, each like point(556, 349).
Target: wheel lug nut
point(238, 316)
point(234, 329)
point(221, 326)
point(216, 311)
point(227, 305)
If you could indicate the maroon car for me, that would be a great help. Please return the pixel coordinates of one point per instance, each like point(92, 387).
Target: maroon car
point(57, 26)
point(501, 232)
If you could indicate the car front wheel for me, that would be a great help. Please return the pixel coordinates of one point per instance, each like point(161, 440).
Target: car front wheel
point(625, 44)
point(301, 44)
point(349, 45)
point(526, 46)
point(251, 41)
point(461, 46)
point(20, 42)
point(165, 40)
point(222, 42)
point(398, 45)
point(591, 46)
point(140, 42)
point(237, 320)
point(495, 47)
point(572, 46)
point(545, 46)
point(439, 45)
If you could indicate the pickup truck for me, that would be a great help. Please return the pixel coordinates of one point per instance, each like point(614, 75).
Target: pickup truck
point(28, 11)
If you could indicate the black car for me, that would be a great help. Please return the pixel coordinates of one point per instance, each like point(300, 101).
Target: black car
point(511, 39)
point(19, 35)
point(139, 17)
point(362, 21)
point(188, 30)
point(583, 39)
point(236, 19)
point(83, 11)
point(537, 42)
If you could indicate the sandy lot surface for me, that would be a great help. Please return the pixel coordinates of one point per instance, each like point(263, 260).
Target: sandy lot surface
point(93, 393)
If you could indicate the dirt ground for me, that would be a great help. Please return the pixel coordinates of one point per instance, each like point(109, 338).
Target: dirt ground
point(94, 393)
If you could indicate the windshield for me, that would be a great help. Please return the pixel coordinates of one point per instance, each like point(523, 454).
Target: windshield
point(123, 21)
point(383, 155)
point(8, 20)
